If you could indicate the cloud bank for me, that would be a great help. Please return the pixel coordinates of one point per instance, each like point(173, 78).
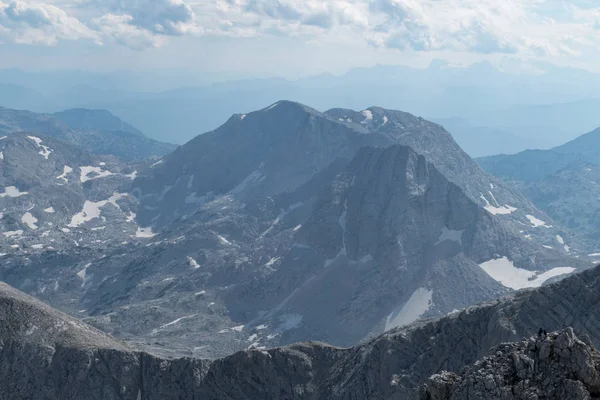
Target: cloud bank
point(526, 27)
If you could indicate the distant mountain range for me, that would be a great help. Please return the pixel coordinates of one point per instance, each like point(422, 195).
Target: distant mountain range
point(98, 131)
point(539, 108)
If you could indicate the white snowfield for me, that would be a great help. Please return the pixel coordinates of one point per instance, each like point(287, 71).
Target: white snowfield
point(496, 209)
point(417, 305)
point(504, 271)
point(45, 150)
point(12, 191)
point(66, 171)
point(144, 233)
point(91, 210)
point(535, 222)
point(29, 220)
point(87, 170)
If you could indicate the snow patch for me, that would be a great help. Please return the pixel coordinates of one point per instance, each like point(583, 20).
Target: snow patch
point(144, 232)
point(504, 271)
point(193, 263)
point(367, 114)
point(497, 209)
point(452, 235)
point(49, 210)
point(174, 322)
point(132, 175)
point(29, 220)
point(417, 305)
point(222, 240)
point(45, 150)
point(87, 170)
point(548, 247)
point(10, 234)
point(66, 170)
point(83, 275)
point(130, 217)
point(37, 246)
point(535, 222)
point(560, 239)
point(272, 261)
point(91, 210)
point(12, 191)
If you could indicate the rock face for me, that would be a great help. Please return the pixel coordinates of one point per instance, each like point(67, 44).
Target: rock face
point(556, 366)
point(284, 145)
point(92, 130)
point(391, 240)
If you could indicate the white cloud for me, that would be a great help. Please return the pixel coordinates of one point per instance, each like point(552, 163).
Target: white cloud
point(159, 17)
point(530, 28)
point(39, 23)
point(120, 29)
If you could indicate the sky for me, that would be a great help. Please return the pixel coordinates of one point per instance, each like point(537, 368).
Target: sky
point(293, 38)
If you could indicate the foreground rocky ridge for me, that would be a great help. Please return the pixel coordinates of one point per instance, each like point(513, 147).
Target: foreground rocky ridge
point(557, 366)
point(392, 366)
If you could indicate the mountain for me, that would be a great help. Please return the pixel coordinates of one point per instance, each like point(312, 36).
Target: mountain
point(84, 134)
point(391, 366)
point(97, 120)
point(556, 366)
point(563, 182)
point(482, 141)
point(176, 105)
point(241, 236)
point(535, 164)
point(280, 147)
point(587, 146)
point(267, 271)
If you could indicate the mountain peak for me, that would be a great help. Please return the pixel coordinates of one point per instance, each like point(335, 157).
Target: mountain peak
point(94, 119)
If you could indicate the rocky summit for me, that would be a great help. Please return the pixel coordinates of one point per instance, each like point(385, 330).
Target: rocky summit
point(557, 366)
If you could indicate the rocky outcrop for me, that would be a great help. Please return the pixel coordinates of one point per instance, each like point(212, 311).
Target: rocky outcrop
point(557, 366)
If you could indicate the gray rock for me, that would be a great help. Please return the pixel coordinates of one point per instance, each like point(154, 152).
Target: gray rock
point(558, 367)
